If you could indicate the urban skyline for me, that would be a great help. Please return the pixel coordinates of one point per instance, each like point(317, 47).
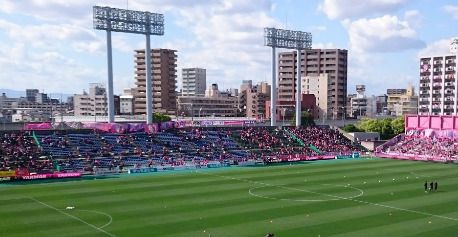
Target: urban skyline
point(45, 41)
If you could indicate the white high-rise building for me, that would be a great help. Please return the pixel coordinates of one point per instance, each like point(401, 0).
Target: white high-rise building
point(194, 81)
point(318, 86)
point(438, 83)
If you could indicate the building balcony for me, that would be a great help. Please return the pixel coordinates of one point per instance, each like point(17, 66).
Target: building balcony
point(424, 102)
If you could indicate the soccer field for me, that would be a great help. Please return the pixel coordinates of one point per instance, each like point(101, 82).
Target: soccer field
point(365, 197)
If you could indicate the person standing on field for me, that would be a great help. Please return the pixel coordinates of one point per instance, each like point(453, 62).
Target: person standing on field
point(426, 186)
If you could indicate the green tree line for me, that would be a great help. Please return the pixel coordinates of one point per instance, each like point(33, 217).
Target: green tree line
point(387, 127)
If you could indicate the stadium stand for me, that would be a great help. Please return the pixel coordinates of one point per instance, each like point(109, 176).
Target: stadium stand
point(324, 139)
point(422, 148)
point(90, 151)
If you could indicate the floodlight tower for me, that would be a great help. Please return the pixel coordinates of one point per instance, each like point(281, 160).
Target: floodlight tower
point(128, 21)
point(287, 39)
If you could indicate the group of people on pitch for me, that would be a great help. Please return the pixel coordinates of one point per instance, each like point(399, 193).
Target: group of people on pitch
point(432, 186)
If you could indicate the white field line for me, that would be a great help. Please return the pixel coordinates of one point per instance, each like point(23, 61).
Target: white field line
point(97, 212)
point(74, 217)
point(361, 193)
point(342, 198)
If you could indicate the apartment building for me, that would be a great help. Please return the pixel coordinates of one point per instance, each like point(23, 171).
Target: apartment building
point(315, 62)
point(318, 86)
point(164, 63)
point(194, 81)
point(214, 104)
point(253, 99)
point(438, 84)
point(402, 101)
point(93, 103)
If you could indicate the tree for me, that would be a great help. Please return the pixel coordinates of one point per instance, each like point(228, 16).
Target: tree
point(387, 127)
point(306, 119)
point(160, 117)
point(351, 128)
point(398, 125)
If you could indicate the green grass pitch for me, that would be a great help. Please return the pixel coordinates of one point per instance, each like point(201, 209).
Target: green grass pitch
point(365, 197)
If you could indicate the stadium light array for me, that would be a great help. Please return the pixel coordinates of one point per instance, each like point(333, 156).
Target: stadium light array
point(287, 39)
point(128, 21)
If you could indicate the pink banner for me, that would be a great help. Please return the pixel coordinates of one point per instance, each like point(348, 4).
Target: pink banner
point(436, 122)
point(51, 176)
point(37, 126)
point(299, 157)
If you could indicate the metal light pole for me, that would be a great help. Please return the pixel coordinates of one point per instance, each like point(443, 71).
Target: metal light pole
point(298, 90)
point(149, 96)
point(273, 91)
point(343, 116)
point(110, 77)
point(288, 39)
point(128, 21)
point(200, 111)
point(283, 114)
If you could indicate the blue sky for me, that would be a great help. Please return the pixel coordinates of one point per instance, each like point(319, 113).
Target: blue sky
point(51, 45)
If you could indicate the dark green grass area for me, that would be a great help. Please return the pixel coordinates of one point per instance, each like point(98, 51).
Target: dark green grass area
point(364, 197)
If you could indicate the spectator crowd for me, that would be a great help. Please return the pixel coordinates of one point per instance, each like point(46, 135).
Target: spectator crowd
point(426, 146)
point(173, 147)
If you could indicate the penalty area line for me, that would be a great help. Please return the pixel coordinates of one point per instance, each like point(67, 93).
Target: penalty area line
point(73, 217)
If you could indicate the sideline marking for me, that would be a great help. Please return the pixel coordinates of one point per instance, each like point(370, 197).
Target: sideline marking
point(343, 198)
point(74, 217)
point(250, 191)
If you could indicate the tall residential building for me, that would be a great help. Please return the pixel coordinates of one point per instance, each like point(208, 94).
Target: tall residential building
point(438, 85)
point(315, 62)
point(252, 99)
point(402, 101)
point(164, 63)
point(318, 86)
point(194, 81)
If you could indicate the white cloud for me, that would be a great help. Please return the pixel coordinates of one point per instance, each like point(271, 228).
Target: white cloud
point(373, 42)
point(341, 9)
point(49, 70)
point(47, 35)
point(224, 36)
point(452, 10)
point(439, 47)
point(50, 10)
point(382, 34)
point(229, 41)
point(414, 18)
